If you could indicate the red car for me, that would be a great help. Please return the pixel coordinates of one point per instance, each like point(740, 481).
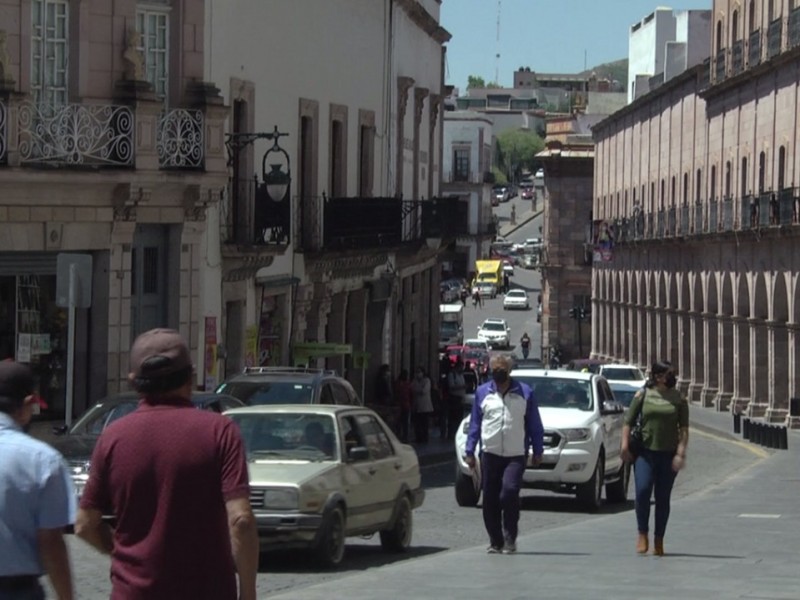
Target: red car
point(455, 352)
point(479, 360)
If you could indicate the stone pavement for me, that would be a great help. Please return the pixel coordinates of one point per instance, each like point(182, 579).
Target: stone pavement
point(508, 228)
point(739, 539)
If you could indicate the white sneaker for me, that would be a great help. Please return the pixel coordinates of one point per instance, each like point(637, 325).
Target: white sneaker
point(510, 547)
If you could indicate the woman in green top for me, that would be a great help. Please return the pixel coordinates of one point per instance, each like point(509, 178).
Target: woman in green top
point(665, 433)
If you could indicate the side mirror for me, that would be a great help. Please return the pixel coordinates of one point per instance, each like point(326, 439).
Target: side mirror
point(611, 408)
point(358, 453)
point(60, 429)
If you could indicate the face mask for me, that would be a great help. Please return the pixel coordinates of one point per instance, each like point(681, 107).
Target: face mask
point(670, 380)
point(500, 376)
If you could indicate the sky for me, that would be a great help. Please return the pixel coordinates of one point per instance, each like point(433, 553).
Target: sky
point(549, 36)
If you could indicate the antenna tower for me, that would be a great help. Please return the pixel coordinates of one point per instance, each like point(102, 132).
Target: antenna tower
point(497, 55)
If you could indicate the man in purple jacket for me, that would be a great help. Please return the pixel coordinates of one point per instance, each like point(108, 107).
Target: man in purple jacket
point(506, 419)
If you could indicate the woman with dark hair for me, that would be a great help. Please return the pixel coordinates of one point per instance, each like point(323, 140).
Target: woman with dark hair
point(422, 405)
point(663, 416)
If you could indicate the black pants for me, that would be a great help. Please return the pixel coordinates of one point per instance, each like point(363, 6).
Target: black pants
point(402, 425)
point(421, 426)
point(23, 587)
point(455, 412)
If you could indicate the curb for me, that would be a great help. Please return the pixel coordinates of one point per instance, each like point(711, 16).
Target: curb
point(523, 220)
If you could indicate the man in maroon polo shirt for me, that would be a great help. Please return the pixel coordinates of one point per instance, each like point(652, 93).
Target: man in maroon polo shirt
point(176, 479)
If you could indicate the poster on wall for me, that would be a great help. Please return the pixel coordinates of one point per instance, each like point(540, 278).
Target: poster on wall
point(211, 353)
point(603, 241)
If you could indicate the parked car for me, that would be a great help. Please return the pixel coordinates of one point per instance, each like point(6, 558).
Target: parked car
point(495, 332)
point(618, 372)
point(526, 190)
point(528, 363)
point(624, 391)
point(290, 385)
point(516, 298)
point(479, 358)
point(592, 365)
point(582, 435)
point(501, 193)
point(77, 443)
point(449, 291)
point(508, 267)
point(320, 474)
point(476, 343)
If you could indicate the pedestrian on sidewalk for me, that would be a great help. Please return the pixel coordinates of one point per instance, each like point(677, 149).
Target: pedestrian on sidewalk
point(477, 299)
point(663, 414)
point(505, 418)
point(402, 392)
point(525, 344)
point(456, 393)
point(36, 497)
point(422, 406)
point(176, 479)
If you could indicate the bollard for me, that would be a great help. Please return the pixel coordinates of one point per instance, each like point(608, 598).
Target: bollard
point(737, 423)
point(772, 441)
point(746, 429)
point(756, 434)
point(783, 439)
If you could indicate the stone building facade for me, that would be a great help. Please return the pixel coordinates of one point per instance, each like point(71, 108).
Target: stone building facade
point(698, 182)
point(111, 146)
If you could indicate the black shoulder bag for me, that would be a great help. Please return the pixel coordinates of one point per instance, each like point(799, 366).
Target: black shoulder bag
point(636, 441)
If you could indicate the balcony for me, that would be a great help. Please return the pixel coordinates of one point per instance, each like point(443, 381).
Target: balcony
point(179, 139)
point(367, 223)
point(719, 65)
point(754, 49)
point(638, 226)
point(671, 218)
point(748, 212)
point(727, 214)
point(737, 57)
point(697, 223)
point(788, 199)
point(794, 27)
point(3, 132)
point(249, 218)
point(661, 222)
point(684, 224)
point(76, 135)
point(713, 216)
point(774, 38)
point(767, 209)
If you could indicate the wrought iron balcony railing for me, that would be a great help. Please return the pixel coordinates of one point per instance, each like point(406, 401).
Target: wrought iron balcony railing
point(737, 57)
point(774, 38)
point(794, 27)
point(3, 132)
point(661, 222)
point(748, 212)
point(76, 135)
point(638, 226)
point(727, 214)
point(248, 217)
point(719, 65)
point(180, 139)
point(713, 216)
point(754, 49)
point(697, 220)
point(649, 226)
point(788, 199)
point(684, 225)
point(671, 221)
point(767, 209)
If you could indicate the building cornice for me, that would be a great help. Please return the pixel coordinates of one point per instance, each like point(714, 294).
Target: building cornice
point(424, 20)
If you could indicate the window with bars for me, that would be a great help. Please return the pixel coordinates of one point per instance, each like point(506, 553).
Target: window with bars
point(152, 23)
point(49, 51)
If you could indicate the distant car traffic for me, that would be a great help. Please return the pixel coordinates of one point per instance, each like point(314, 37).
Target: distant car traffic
point(617, 372)
point(516, 298)
point(624, 391)
point(485, 289)
point(320, 474)
point(476, 343)
point(501, 193)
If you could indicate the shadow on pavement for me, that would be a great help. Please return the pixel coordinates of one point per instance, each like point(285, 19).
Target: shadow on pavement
point(554, 553)
point(567, 504)
point(358, 557)
point(716, 556)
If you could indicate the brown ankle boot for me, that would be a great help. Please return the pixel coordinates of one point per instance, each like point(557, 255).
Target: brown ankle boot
point(658, 546)
point(642, 543)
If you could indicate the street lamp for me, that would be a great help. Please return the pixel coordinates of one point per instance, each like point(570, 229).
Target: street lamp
point(277, 181)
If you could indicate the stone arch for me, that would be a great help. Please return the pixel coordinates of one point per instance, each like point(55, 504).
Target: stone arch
point(780, 351)
point(759, 343)
point(711, 324)
point(741, 308)
point(697, 337)
point(728, 366)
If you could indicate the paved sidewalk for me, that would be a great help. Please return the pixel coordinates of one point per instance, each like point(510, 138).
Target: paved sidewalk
point(737, 540)
point(508, 228)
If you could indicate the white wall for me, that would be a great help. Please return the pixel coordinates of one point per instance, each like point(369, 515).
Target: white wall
point(464, 128)
point(646, 46)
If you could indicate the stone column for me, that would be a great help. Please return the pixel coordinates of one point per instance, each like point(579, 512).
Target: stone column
point(710, 362)
point(435, 104)
point(779, 367)
point(725, 380)
point(698, 350)
point(741, 379)
point(403, 86)
point(759, 370)
point(684, 351)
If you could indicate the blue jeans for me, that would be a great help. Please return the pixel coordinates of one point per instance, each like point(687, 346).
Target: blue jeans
point(32, 592)
point(653, 469)
point(502, 480)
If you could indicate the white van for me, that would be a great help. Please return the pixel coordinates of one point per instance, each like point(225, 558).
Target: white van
point(451, 325)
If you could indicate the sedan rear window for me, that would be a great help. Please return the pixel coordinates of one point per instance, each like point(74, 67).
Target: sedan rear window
point(270, 392)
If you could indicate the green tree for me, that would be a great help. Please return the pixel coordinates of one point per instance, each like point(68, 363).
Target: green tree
point(516, 151)
point(475, 81)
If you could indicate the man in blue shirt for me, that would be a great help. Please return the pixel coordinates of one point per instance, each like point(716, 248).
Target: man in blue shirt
point(505, 418)
point(36, 498)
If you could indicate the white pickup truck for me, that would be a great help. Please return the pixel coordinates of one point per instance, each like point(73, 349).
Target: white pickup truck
point(582, 435)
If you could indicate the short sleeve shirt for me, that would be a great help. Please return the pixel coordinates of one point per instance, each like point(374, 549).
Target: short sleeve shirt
point(165, 471)
point(35, 493)
point(663, 416)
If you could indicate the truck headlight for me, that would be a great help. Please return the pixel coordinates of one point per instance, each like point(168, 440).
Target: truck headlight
point(280, 499)
point(577, 435)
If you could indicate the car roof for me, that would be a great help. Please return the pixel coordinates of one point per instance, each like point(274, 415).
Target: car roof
point(494, 320)
point(619, 366)
point(619, 384)
point(316, 409)
point(295, 373)
point(134, 397)
point(554, 373)
point(516, 291)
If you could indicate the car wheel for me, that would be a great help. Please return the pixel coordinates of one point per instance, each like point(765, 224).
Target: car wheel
point(618, 491)
point(398, 538)
point(330, 545)
point(590, 494)
point(467, 493)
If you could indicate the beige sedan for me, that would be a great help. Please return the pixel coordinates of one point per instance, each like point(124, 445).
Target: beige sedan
point(321, 473)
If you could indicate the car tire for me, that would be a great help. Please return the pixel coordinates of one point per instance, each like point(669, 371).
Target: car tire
point(618, 491)
point(466, 494)
point(590, 494)
point(329, 550)
point(398, 538)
